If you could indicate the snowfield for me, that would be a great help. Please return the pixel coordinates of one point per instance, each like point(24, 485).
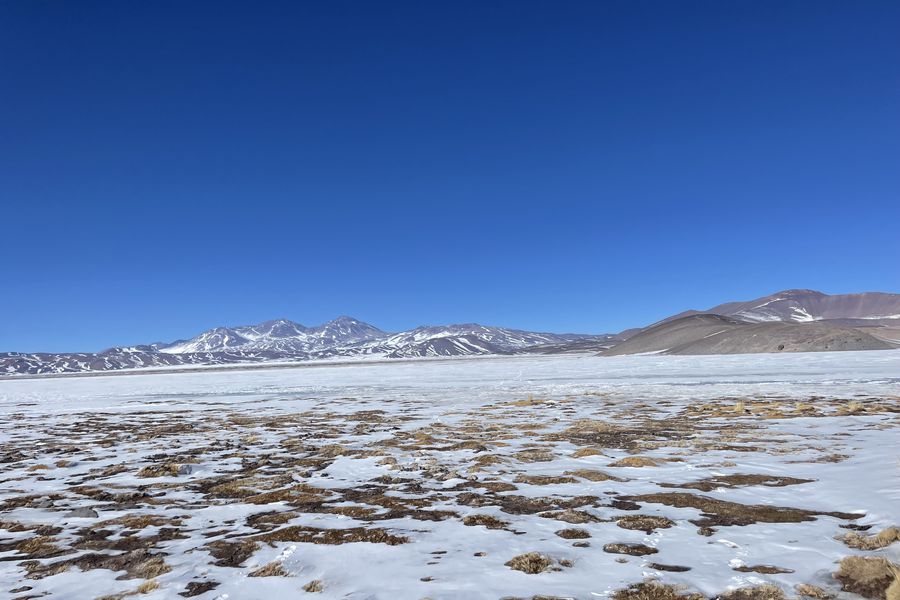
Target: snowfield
point(514, 477)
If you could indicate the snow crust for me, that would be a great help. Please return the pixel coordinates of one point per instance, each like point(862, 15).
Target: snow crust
point(440, 561)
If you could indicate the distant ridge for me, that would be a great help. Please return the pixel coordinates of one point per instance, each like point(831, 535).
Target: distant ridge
point(788, 321)
point(285, 340)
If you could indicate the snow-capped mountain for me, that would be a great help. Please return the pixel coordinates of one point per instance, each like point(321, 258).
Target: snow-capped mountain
point(876, 314)
point(285, 340)
point(281, 335)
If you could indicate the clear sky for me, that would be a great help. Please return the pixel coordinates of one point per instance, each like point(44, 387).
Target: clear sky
point(166, 167)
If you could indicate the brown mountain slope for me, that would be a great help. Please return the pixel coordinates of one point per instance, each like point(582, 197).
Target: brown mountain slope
point(717, 334)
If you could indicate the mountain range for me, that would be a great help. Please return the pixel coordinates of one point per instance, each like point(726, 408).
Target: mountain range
point(788, 321)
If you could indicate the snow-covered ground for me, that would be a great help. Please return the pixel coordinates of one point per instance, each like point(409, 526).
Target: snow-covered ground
point(423, 479)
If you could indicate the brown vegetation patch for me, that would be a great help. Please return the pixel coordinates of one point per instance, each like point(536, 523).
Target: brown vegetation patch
point(813, 591)
point(161, 470)
point(759, 592)
point(583, 452)
point(534, 455)
point(523, 505)
point(231, 554)
point(531, 563)
point(486, 521)
point(723, 512)
point(575, 517)
point(669, 568)
point(653, 590)
point(273, 569)
point(646, 523)
point(314, 586)
point(593, 475)
point(762, 569)
point(867, 576)
point(636, 461)
point(137, 564)
point(313, 535)
point(544, 479)
point(737, 480)
point(573, 533)
point(630, 549)
point(38, 547)
point(882, 539)
point(195, 588)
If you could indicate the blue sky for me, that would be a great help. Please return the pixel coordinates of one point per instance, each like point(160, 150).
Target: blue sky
point(167, 167)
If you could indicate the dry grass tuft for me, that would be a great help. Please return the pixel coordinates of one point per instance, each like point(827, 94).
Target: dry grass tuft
point(873, 542)
point(147, 586)
point(646, 523)
point(573, 533)
point(760, 592)
point(531, 563)
point(593, 475)
point(163, 470)
point(273, 569)
point(762, 569)
point(813, 591)
point(314, 586)
point(653, 590)
point(629, 549)
point(868, 576)
point(854, 407)
point(544, 479)
point(534, 455)
point(38, 547)
point(583, 452)
point(485, 520)
point(636, 461)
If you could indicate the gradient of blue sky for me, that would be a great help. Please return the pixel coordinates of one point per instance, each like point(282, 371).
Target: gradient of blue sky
point(166, 167)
